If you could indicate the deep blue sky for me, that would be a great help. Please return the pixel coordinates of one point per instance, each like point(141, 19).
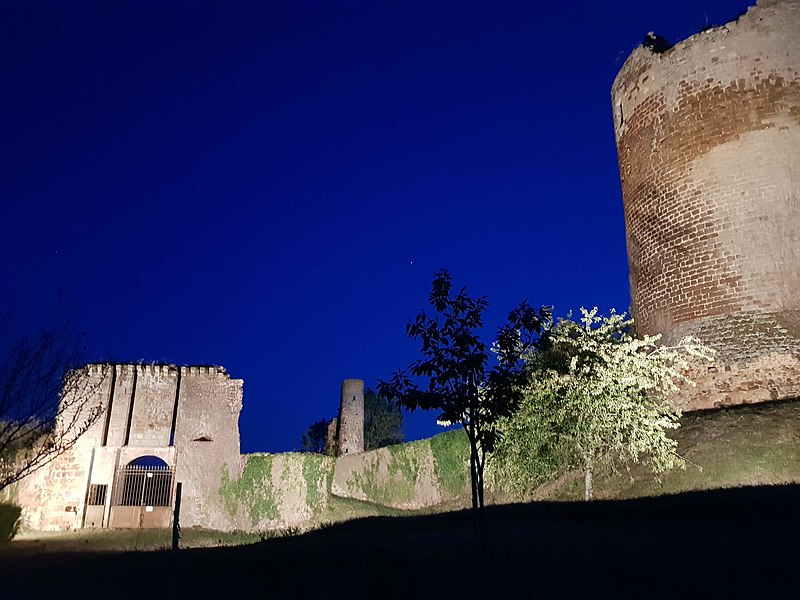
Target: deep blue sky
point(269, 186)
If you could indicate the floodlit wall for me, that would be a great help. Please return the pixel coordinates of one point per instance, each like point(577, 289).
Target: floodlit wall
point(708, 136)
point(276, 491)
point(408, 476)
point(186, 416)
point(207, 441)
point(291, 490)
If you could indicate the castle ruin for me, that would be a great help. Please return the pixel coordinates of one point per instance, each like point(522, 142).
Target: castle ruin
point(160, 424)
point(163, 424)
point(708, 137)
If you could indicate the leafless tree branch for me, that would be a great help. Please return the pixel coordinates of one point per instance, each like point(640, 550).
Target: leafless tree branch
point(47, 401)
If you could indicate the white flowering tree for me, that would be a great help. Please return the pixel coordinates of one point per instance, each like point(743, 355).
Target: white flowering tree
point(596, 395)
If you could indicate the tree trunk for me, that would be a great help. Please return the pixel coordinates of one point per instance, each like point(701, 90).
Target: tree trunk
point(587, 482)
point(473, 473)
point(481, 463)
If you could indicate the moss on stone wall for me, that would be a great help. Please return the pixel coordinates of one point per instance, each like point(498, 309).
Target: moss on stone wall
point(268, 492)
point(404, 470)
point(451, 462)
point(414, 474)
point(318, 475)
point(290, 489)
point(390, 475)
point(253, 491)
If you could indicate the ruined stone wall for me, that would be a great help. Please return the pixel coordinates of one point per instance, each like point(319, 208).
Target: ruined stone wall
point(186, 416)
point(152, 416)
point(207, 443)
point(53, 497)
point(407, 476)
point(708, 135)
point(276, 491)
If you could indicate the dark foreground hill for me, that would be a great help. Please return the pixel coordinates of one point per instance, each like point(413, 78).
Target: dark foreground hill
point(731, 543)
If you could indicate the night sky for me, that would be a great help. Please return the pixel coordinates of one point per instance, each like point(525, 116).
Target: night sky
point(269, 186)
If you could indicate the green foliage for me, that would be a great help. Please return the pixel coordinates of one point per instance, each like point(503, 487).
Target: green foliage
point(451, 462)
point(315, 437)
point(10, 518)
point(253, 490)
point(455, 363)
point(318, 475)
point(597, 396)
point(383, 421)
point(398, 483)
point(751, 445)
point(404, 468)
point(367, 482)
point(260, 494)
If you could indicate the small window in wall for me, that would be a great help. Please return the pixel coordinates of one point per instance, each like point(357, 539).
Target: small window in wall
point(97, 494)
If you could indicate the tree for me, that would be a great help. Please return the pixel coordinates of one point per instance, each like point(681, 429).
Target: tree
point(383, 421)
point(596, 395)
point(315, 437)
point(47, 401)
point(455, 364)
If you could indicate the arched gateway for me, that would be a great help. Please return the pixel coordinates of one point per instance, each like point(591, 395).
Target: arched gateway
point(143, 494)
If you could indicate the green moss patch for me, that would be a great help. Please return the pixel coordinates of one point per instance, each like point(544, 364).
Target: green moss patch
point(318, 476)
point(396, 483)
point(451, 462)
point(259, 495)
point(253, 491)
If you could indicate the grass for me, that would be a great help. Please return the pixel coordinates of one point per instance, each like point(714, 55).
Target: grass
point(734, 447)
point(128, 540)
point(653, 538)
point(738, 543)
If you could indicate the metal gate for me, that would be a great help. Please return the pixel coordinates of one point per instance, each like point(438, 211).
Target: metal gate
point(142, 497)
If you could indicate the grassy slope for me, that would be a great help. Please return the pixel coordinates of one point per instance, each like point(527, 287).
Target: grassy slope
point(743, 446)
point(724, 543)
point(652, 547)
point(752, 445)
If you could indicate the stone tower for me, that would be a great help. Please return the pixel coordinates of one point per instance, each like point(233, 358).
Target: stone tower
point(185, 419)
point(708, 137)
point(350, 424)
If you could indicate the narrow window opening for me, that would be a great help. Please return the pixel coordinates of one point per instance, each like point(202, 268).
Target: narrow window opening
point(97, 494)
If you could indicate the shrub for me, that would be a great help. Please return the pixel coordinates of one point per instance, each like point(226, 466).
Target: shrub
point(10, 517)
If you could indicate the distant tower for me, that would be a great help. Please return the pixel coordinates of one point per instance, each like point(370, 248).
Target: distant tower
point(708, 136)
point(350, 424)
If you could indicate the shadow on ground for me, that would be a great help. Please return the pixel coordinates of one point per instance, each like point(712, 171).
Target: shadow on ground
point(739, 542)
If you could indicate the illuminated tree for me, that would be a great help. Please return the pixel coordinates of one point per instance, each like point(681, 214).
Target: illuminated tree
point(596, 395)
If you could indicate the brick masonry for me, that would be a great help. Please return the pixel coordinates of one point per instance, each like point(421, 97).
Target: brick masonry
point(708, 137)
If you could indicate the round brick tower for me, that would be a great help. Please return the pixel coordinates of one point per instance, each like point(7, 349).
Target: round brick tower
point(708, 136)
